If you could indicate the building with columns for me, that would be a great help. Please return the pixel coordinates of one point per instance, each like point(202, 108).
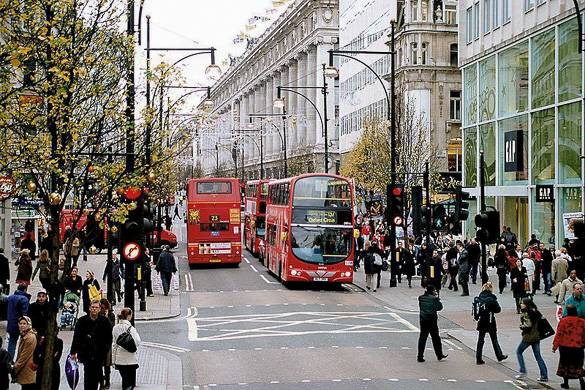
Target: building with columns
point(245, 133)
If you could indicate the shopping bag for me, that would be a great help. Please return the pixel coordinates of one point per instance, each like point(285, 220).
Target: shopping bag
point(72, 372)
point(559, 313)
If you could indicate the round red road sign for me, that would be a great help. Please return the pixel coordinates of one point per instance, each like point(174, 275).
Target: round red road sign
point(7, 187)
point(132, 251)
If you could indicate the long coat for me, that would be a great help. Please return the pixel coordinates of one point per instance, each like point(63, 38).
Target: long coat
point(487, 320)
point(22, 366)
point(121, 357)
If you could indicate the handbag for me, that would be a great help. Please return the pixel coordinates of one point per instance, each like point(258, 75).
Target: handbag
point(126, 341)
point(94, 293)
point(545, 329)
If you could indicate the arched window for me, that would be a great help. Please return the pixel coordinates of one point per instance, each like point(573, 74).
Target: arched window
point(424, 52)
point(413, 53)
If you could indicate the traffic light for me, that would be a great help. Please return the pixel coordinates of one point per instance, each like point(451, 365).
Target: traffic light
point(417, 213)
point(395, 209)
point(488, 223)
point(461, 206)
point(440, 219)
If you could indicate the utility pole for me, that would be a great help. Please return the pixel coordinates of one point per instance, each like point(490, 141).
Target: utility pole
point(130, 134)
point(429, 251)
point(325, 119)
point(484, 275)
point(284, 141)
point(261, 151)
point(392, 113)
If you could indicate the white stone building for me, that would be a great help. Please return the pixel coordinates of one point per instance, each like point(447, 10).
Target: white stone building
point(290, 53)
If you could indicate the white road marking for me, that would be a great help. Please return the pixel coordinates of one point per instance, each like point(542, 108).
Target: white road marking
point(405, 348)
point(451, 380)
point(366, 379)
point(423, 380)
point(193, 333)
point(393, 379)
point(274, 382)
point(167, 347)
point(480, 381)
point(335, 380)
point(404, 322)
point(253, 268)
point(306, 381)
point(246, 260)
point(268, 281)
point(453, 344)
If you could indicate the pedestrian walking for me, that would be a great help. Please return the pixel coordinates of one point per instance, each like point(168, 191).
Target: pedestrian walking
point(501, 263)
point(73, 282)
point(518, 277)
point(547, 259)
point(39, 313)
point(408, 265)
point(107, 312)
point(474, 254)
point(43, 269)
point(452, 255)
point(559, 272)
point(569, 341)
point(166, 267)
point(429, 304)
point(567, 286)
point(435, 271)
point(24, 271)
point(529, 265)
point(125, 361)
point(90, 290)
point(5, 366)
point(530, 338)
point(16, 307)
point(486, 306)
point(92, 339)
point(4, 273)
point(28, 242)
point(463, 261)
point(23, 370)
point(115, 270)
point(577, 300)
point(146, 264)
point(369, 267)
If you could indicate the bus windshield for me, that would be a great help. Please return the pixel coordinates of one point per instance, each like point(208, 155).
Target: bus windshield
point(322, 245)
point(322, 191)
point(260, 226)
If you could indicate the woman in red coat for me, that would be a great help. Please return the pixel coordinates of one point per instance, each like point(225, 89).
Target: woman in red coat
point(570, 341)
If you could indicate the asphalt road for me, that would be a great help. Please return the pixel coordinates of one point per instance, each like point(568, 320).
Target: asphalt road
point(241, 329)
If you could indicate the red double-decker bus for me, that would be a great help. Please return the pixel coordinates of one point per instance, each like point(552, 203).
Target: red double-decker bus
point(309, 229)
point(213, 221)
point(256, 192)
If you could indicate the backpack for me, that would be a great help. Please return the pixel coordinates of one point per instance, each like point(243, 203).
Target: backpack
point(478, 309)
point(378, 260)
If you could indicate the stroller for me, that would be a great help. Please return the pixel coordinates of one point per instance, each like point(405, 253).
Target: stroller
point(70, 310)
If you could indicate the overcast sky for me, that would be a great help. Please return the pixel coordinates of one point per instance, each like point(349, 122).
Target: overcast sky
point(200, 23)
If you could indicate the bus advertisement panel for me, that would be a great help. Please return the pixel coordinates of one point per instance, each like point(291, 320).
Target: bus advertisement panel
point(309, 229)
point(213, 221)
point(256, 192)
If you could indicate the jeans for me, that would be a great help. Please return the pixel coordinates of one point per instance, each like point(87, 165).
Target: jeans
point(429, 327)
point(536, 351)
point(547, 278)
point(473, 272)
point(12, 340)
point(166, 281)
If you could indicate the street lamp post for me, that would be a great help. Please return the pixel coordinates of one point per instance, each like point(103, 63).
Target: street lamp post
point(331, 71)
point(282, 136)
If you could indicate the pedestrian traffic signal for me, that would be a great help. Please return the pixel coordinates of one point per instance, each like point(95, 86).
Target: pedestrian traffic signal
point(395, 207)
point(440, 218)
point(487, 224)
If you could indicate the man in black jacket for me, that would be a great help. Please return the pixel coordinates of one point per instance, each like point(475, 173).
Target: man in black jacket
point(39, 312)
point(463, 261)
point(166, 267)
point(453, 266)
point(487, 306)
point(546, 268)
point(429, 304)
point(92, 340)
point(474, 252)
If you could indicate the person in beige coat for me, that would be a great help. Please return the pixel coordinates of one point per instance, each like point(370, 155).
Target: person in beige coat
point(567, 286)
point(125, 362)
point(25, 375)
point(559, 269)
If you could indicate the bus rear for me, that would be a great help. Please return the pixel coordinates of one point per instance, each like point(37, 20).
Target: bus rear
point(213, 221)
point(255, 214)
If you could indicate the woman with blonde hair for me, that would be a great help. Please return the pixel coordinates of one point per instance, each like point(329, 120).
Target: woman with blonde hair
point(485, 306)
point(124, 360)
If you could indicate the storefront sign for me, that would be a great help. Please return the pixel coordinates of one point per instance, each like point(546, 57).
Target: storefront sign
point(545, 193)
point(7, 187)
point(569, 220)
point(514, 151)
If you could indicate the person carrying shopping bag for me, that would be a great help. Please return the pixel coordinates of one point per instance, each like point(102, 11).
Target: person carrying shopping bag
point(126, 341)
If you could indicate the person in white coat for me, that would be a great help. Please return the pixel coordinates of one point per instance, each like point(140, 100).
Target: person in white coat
point(528, 263)
point(123, 360)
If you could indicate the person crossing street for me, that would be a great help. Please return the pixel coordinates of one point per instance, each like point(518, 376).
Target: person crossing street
point(487, 307)
point(429, 304)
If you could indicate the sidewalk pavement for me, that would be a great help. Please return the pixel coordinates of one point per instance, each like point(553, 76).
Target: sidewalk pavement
point(158, 370)
point(462, 327)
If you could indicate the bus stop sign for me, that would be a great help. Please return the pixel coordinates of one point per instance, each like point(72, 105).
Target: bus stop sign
point(132, 251)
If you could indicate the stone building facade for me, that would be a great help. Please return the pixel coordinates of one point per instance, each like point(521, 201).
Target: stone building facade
point(245, 128)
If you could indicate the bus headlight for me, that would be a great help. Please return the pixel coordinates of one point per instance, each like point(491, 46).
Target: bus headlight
point(348, 274)
point(294, 272)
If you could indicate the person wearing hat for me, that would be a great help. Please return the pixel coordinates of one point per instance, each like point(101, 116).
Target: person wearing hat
point(39, 312)
point(17, 306)
point(23, 366)
point(89, 281)
point(166, 267)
